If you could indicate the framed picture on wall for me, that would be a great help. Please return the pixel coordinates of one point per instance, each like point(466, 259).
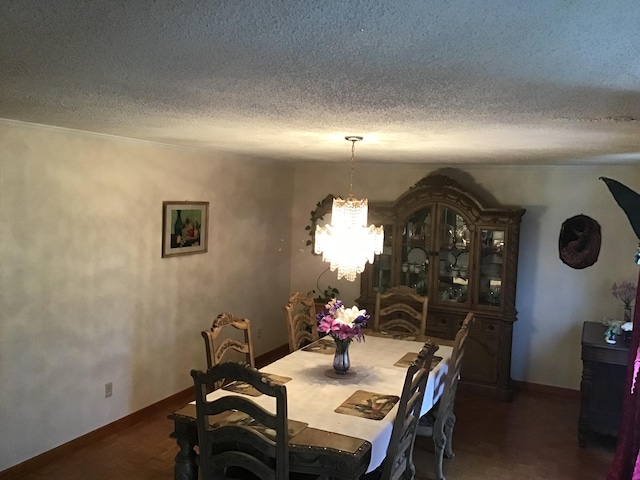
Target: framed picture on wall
point(184, 228)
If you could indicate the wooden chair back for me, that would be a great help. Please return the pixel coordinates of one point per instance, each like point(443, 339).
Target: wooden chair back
point(394, 311)
point(438, 423)
point(302, 326)
point(398, 462)
point(230, 449)
point(455, 365)
point(223, 323)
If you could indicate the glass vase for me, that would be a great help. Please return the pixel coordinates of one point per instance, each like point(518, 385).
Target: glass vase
point(626, 313)
point(341, 361)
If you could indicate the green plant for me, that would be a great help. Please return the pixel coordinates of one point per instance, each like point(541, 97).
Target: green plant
point(323, 295)
point(322, 208)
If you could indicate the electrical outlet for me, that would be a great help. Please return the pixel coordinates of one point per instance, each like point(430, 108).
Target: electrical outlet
point(108, 389)
point(259, 332)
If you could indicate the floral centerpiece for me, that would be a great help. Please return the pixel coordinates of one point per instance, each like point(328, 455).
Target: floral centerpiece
point(344, 325)
point(626, 293)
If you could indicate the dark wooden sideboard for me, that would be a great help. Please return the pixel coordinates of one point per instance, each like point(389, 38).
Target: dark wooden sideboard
point(604, 368)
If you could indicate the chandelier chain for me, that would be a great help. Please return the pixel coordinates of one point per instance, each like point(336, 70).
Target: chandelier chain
point(353, 156)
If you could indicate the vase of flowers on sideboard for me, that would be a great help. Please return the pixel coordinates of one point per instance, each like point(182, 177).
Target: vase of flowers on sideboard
point(626, 293)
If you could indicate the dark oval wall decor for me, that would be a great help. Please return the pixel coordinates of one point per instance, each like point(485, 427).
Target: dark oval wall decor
point(579, 241)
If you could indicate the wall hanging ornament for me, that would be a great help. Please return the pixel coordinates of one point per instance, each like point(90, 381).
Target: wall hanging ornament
point(579, 242)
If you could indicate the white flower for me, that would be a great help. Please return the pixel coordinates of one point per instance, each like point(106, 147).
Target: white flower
point(348, 315)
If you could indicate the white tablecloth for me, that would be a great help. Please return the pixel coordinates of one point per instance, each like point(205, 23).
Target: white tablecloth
point(313, 397)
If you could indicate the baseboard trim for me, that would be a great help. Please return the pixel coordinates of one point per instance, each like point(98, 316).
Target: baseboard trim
point(19, 470)
point(517, 386)
point(272, 356)
point(546, 389)
point(489, 391)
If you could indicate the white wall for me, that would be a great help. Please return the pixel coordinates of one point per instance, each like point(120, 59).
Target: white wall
point(85, 296)
point(553, 300)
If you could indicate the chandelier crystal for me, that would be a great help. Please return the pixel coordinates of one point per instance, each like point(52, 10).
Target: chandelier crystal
point(347, 243)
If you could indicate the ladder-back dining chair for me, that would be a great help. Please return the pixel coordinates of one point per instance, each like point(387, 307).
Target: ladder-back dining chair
point(300, 314)
point(438, 422)
point(395, 311)
point(227, 323)
point(398, 463)
point(235, 435)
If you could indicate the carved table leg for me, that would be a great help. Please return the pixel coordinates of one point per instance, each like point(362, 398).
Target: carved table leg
point(185, 467)
point(186, 434)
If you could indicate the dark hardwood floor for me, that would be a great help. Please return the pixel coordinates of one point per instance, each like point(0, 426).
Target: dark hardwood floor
point(534, 437)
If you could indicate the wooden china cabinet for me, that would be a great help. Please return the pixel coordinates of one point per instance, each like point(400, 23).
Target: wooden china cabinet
point(446, 243)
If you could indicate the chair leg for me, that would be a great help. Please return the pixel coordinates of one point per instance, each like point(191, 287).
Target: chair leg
point(439, 442)
point(410, 471)
point(409, 468)
point(448, 432)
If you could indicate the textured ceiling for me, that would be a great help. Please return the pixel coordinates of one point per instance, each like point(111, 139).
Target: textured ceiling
point(431, 81)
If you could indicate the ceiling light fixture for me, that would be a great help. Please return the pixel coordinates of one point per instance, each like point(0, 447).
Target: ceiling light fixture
point(347, 243)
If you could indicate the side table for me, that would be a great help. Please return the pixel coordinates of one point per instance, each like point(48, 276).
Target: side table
point(604, 368)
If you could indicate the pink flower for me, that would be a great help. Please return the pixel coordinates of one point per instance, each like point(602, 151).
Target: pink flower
point(342, 323)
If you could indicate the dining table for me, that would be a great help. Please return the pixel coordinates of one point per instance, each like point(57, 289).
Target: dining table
point(339, 425)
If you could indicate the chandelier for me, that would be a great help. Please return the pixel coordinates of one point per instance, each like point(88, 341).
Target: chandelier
point(347, 243)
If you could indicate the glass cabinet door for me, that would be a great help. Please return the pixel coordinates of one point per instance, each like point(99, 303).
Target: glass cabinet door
point(382, 264)
point(454, 255)
point(416, 243)
point(491, 266)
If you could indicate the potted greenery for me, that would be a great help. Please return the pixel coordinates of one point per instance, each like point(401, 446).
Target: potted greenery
point(322, 296)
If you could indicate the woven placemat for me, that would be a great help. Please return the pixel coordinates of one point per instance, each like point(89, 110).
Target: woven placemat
point(409, 357)
point(245, 420)
point(324, 345)
point(246, 389)
point(374, 406)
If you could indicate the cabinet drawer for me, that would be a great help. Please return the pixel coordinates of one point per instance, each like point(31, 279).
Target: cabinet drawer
point(455, 322)
point(438, 325)
point(488, 325)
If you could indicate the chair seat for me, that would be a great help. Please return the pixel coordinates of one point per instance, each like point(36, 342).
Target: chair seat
point(427, 421)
